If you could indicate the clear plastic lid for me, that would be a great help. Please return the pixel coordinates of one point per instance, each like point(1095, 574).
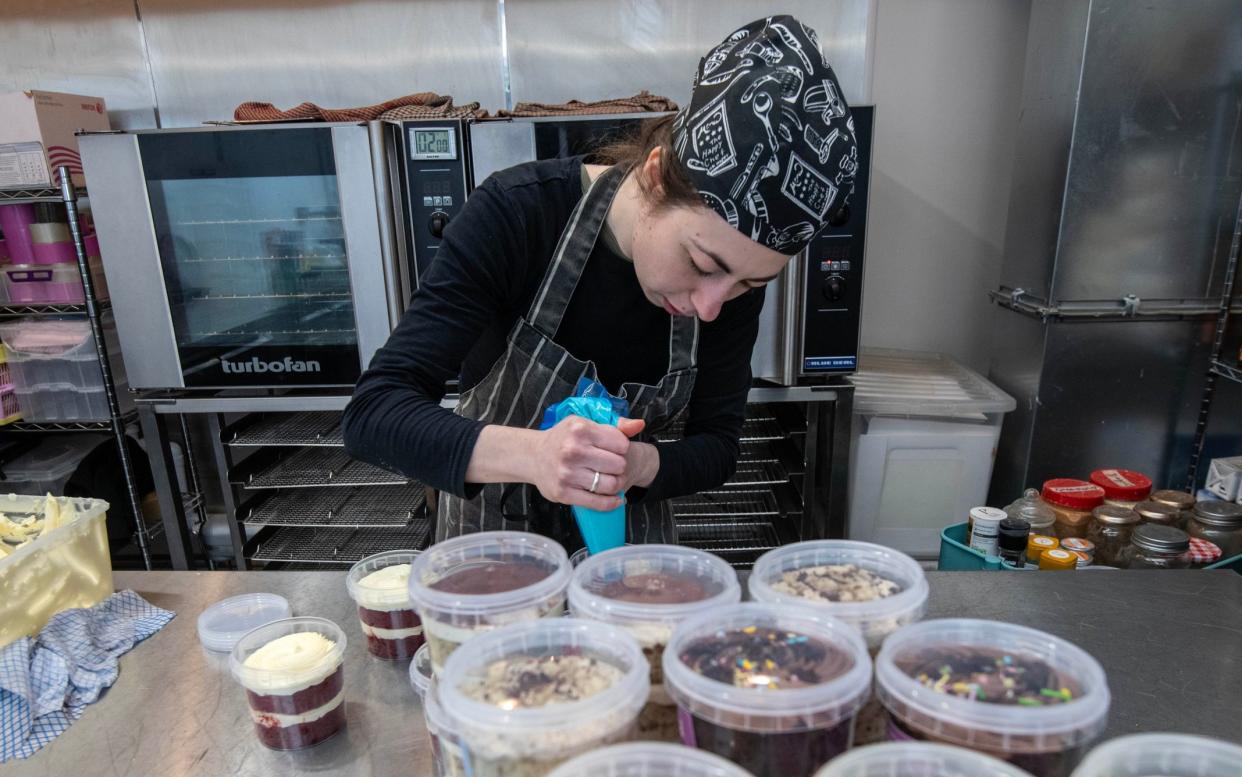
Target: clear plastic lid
point(992, 726)
point(876, 618)
point(924, 759)
point(385, 594)
point(510, 728)
point(290, 680)
point(222, 624)
point(648, 759)
point(1032, 509)
point(1162, 755)
point(658, 585)
point(541, 562)
point(420, 671)
point(771, 708)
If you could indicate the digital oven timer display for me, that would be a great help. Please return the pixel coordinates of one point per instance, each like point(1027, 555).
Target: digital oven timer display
point(432, 143)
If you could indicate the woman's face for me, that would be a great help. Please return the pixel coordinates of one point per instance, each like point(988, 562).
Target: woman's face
point(690, 261)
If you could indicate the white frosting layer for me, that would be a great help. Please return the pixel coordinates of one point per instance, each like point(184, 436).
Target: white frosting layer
point(290, 663)
point(376, 631)
point(456, 635)
point(283, 720)
point(649, 634)
point(385, 589)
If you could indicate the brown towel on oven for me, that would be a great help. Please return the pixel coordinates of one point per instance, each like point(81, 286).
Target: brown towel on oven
point(643, 102)
point(413, 106)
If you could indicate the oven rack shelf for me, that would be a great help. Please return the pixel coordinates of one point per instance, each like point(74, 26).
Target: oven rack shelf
point(308, 295)
point(268, 258)
point(235, 222)
point(754, 429)
point(726, 504)
point(729, 537)
point(311, 545)
point(361, 507)
point(762, 472)
point(312, 467)
point(310, 429)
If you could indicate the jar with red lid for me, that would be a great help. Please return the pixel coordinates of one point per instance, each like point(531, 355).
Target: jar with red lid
point(1122, 487)
point(1072, 501)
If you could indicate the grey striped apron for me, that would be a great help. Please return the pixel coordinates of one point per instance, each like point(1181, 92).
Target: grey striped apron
point(535, 372)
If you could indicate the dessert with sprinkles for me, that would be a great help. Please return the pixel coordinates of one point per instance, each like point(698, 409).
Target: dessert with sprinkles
point(773, 688)
point(1015, 693)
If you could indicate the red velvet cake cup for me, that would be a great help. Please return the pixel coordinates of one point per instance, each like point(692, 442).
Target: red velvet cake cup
point(379, 585)
point(294, 682)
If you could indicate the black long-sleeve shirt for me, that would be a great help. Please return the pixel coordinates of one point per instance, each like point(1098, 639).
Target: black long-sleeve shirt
point(483, 278)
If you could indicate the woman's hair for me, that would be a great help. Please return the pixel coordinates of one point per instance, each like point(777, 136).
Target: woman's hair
point(633, 149)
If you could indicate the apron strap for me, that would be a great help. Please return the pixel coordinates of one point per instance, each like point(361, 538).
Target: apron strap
point(683, 343)
point(572, 252)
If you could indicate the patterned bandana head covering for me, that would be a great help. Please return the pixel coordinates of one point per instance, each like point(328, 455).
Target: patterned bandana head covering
point(767, 138)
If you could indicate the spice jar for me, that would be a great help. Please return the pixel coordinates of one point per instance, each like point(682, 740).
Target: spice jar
point(1180, 499)
point(1202, 553)
point(1036, 544)
point(1110, 530)
point(1057, 559)
point(984, 528)
point(1219, 523)
point(1122, 487)
point(1159, 512)
point(1072, 501)
point(1013, 535)
point(1031, 509)
point(1155, 546)
point(1085, 549)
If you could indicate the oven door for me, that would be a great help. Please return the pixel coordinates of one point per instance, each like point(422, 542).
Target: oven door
point(242, 257)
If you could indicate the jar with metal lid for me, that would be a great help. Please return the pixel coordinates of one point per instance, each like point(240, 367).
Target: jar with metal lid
point(1072, 501)
point(1155, 546)
point(1122, 487)
point(1159, 512)
point(1220, 523)
point(1110, 530)
point(1180, 499)
point(1084, 549)
point(1031, 509)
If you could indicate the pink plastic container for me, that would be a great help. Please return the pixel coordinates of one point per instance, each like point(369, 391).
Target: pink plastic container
point(15, 221)
point(92, 245)
point(55, 253)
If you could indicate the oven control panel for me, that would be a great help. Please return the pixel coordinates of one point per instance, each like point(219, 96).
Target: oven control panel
point(832, 297)
point(436, 181)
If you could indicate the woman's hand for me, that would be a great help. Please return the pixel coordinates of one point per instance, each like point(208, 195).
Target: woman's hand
point(569, 454)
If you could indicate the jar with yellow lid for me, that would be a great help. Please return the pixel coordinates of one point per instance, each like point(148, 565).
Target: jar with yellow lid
point(1037, 544)
point(1220, 523)
point(1159, 512)
point(1110, 530)
point(1057, 559)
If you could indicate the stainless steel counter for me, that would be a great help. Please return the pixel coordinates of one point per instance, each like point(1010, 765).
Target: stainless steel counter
point(1170, 641)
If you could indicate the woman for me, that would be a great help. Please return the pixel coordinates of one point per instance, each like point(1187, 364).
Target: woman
point(647, 275)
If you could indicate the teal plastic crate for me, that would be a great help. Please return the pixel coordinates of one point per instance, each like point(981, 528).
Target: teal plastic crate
point(957, 556)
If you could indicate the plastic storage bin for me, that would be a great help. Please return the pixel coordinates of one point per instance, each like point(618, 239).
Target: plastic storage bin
point(44, 284)
point(10, 408)
point(923, 443)
point(52, 352)
point(65, 567)
point(47, 468)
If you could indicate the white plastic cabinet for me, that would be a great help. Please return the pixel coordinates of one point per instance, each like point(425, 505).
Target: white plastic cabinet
point(923, 443)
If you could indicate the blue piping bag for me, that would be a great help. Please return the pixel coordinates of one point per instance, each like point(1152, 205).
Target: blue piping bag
point(590, 400)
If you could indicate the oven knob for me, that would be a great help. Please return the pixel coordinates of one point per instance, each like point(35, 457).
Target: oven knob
point(439, 220)
point(833, 288)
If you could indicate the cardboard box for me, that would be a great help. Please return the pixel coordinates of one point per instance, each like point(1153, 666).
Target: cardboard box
point(37, 136)
point(1224, 479)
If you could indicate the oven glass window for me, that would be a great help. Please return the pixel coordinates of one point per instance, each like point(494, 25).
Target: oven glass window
point(254, 256)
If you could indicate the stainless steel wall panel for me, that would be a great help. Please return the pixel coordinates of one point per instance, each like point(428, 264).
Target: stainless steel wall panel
point(1017, 363)
point(207, 57)
point(91, 47)
point(1124, 395)
point(1056, 42)
point(1148, 206)
point(594, 49)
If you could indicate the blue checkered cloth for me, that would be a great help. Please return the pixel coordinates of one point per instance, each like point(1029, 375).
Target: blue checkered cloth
point(46, 682)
